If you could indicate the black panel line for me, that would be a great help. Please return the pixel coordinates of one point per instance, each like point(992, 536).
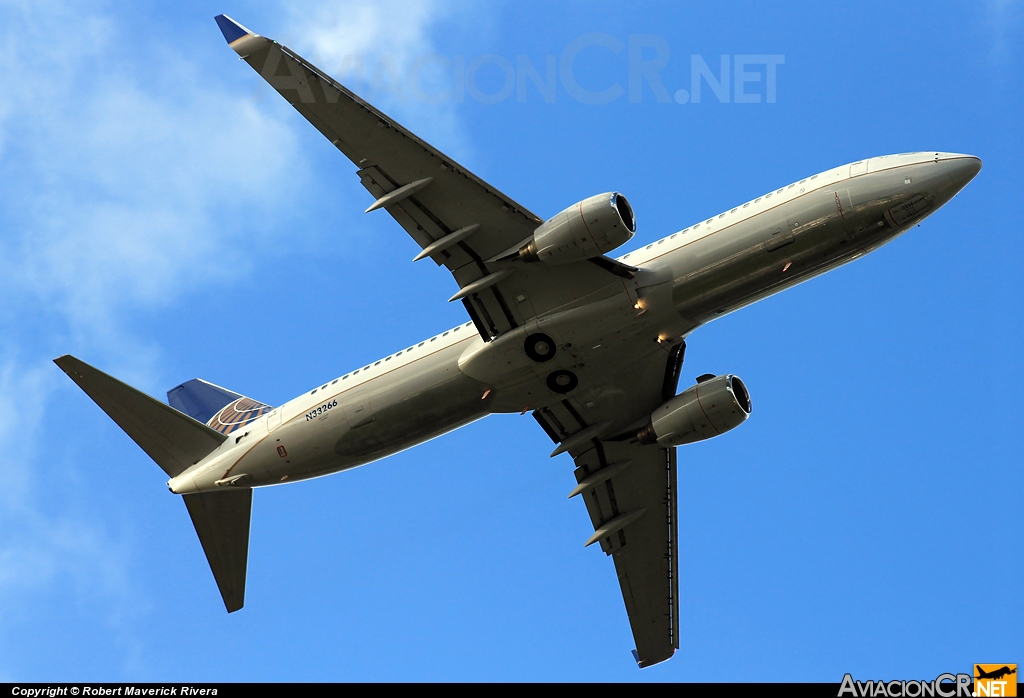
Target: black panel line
point(611, 498)
point(575, 415)
point(548, 414)
point(486, 314)
point(670, 553)
point(504, 308)
point(476, 320)
point(545, 426)
point(610, 265)
point(673, 368)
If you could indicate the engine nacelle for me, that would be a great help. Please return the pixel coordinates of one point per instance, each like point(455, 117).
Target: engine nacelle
point(710, 408)
point(588, 229)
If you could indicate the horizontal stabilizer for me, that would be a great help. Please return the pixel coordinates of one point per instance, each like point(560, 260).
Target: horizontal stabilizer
point(174, 440)
point(222, 523)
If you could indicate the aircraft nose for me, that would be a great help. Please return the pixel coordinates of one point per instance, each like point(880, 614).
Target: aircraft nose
point(961, 169)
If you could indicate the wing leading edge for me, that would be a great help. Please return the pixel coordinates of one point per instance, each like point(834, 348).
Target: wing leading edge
point(456, 218)
point(471, 228)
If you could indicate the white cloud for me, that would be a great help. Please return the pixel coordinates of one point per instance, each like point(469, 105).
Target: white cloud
point(126, 181)
point(117, 185)
point(128, 178)
point(1003, 20)
point(387, 53)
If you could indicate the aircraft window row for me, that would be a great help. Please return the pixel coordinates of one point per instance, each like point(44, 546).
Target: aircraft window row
point(366, 368)
point(814, 177)
point(779, 191)
point(734, 210)
point(746, 204)
point(757, 199)
point(768, 195)
point(802, 181)
point(721, 215)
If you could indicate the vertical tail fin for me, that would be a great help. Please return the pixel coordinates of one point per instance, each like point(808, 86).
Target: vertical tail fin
point(219, 408)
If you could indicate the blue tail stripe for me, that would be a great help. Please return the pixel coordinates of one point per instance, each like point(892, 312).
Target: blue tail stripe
point(231, 29)
point(200, 400)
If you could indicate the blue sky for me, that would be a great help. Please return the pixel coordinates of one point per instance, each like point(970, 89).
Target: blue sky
point(164, 215)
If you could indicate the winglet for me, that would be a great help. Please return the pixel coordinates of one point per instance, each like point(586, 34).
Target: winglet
point(232, 30)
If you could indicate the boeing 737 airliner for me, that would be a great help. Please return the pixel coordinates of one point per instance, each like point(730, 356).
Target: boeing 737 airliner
point(591, 345)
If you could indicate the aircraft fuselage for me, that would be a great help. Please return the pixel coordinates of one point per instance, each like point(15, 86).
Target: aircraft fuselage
point(684, 281)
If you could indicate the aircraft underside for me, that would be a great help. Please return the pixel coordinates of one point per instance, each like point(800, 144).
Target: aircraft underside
point(592, 346)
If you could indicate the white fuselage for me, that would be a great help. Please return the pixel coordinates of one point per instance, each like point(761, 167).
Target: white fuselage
point(686, 279)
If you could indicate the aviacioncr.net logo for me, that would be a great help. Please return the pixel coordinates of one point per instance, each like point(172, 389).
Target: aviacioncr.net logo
point(995, 680)
point(943, 686)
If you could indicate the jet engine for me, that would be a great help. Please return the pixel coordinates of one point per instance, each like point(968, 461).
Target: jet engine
point(712, 407)
point(584, 230)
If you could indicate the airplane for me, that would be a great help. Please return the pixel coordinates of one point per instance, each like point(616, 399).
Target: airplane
point(994, 674)
point(591, 345)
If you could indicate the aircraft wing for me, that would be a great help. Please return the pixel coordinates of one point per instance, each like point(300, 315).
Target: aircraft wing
point(630, 492)
point(457, 219)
